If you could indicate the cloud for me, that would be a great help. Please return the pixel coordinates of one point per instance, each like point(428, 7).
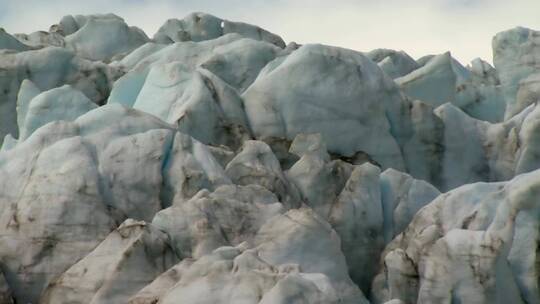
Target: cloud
point(419, 27)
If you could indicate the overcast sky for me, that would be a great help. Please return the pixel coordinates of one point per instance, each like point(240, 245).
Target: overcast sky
point(419, 27)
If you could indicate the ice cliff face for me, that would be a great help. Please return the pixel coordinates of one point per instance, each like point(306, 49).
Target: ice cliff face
point(213, 163)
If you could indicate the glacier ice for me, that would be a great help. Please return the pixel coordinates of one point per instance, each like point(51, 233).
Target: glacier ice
point(41, 39)
point(231, 267)
point(474, 244)
point(394, 64)
point(256, 164)
point(118, 150)
point(49, 68)
point(101, 37)
point(8, 42)
point(227, 61)
point(199, 102)
point(134, 254)
point(6, 295)
point(226, 217)
point(296, 95)
point(515, 53)
point(63, 103)
point(213, 163)
point(311, 243)
point(201, 26)
point(434, 82)
point(444, 80)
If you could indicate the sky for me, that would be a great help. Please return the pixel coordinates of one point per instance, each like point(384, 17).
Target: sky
point(418, 27)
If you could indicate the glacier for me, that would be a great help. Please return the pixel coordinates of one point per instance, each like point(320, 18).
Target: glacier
point(216, 163)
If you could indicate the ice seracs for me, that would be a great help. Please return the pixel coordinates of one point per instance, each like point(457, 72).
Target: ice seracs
point(226, 217)
point(357, 216)
point(216, 164)
point(301, 237)
point(100, 37)
point(395, 64)
point(434, 82)
point(240, 62)
point(402, 197)
point(256, 164)
point(49, 68)
point(515, 55)
point(201, 26)
point(243, 277)
point(444, 80)
point(71, 183)
point(129, 258)
point(327, 90)
point(482, 234)
point(200, 103)
point(41, 39)
point(63, 103)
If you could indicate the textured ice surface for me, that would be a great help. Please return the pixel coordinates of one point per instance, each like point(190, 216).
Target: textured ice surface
point(240, 275)
point(394, 64)
point(226, 217)
point(444, 80)
point(63, 103)
point(200, 103)
point(201, 26)
point(48, 68)
point(71, 182)
point(41, 39)
point(331, 91)
point(475, 244)
point(129, 258)
point(516, 54)
point(101, 37)
point(215, 164)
